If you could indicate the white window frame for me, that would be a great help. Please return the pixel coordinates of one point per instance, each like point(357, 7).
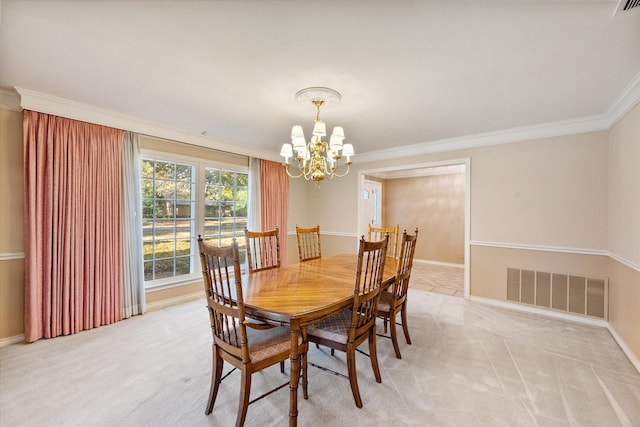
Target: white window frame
point(200, 165)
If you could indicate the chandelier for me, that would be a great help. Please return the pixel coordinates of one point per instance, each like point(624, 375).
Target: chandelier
point(317, 160)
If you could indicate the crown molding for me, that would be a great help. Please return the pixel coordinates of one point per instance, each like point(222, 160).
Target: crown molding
point(506, 136)
point(9, 100)
point(627, 99)
point(44, 103)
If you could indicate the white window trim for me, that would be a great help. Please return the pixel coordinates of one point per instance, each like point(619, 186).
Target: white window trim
point(200, 165)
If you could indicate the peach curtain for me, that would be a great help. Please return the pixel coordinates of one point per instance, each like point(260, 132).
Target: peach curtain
point(274, 189)
point(73, 242)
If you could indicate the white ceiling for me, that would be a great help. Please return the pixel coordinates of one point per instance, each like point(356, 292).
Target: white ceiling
point(410, 72)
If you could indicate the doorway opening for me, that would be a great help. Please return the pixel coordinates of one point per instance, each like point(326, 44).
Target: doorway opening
point(435, 197)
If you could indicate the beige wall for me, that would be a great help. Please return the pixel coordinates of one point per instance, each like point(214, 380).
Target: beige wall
point(624, 229)
point(157, 144)
point(434, 204)
point(333, 206)
point(11, 225)
point(550, 192)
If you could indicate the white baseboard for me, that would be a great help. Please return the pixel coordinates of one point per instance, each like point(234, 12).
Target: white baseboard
point(11, 340)
point(158, 305)
point(535, 310)
point(627, 351)
point(446, 264)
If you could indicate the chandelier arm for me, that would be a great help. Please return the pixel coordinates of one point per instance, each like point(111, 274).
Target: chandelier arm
point(286, 168)
point(337, 175)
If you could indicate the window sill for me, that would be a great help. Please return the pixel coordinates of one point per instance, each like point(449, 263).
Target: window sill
point(173, 284)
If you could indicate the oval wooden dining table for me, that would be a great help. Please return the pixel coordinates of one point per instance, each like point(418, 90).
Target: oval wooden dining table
point(300, 294)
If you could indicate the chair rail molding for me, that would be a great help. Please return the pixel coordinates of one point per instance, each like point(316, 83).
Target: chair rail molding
point(11, 255)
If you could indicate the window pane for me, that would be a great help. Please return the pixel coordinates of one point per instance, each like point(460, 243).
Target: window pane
point(148, 270)
point(242, 180)
point(147, 209)
point(212, 176)
point(164, 209)
point(164, 249)
point(184, 209)
point(184, 173)
point(164, 229)
point(184, 229)
point(163, 268)
point(183, 191)
point(165, 170)
point(165, 189)
point(147, 230)
point(183, 247)
point(147, 249)
point(227, 194)
point(146, 168)
point(227, 210)
point(228, 179)
point(147, 188)
point(212, 192)
point(183, 265)
point(241, 209)
point(211, 210)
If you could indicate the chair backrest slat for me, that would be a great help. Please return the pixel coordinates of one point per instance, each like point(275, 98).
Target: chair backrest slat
point(309, 246)
point(263, 249)
point(377, 233)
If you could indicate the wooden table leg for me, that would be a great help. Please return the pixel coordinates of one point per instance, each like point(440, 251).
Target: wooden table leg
point(295, 373)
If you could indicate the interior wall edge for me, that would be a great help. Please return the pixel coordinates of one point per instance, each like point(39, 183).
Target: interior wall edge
point(635, 361)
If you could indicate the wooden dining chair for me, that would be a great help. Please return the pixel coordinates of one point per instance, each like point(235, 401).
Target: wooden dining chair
point(377, 233)
point(309, 246)
point(263, 249)
point(348, 329)
point(246, 345)
point(394, 299)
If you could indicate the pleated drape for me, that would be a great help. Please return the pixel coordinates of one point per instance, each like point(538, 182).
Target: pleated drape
point(274, 188)
point(72, 217)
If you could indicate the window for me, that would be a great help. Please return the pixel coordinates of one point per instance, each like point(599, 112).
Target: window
point(225, 208)
point(184, 198)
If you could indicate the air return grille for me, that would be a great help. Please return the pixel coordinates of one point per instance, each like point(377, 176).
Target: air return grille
point(631, 3)
point(563, 292)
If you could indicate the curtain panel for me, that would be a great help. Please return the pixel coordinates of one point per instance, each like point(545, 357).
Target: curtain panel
point(73, 231)
point(133, 293)
point(274, 189)
point(253, 222)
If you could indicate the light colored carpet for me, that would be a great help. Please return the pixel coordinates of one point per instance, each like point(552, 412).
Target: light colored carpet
point(470, 365)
